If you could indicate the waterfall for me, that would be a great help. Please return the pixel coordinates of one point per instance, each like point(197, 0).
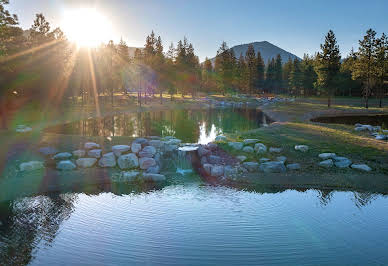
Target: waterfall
point(183, 161)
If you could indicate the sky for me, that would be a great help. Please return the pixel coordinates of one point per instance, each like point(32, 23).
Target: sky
point(297, 26)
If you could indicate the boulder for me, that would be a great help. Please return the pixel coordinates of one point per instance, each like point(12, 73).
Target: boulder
point(173, 142)
point(208, 168)
point(260, 148)
point(236, 145)
point(23, 129)
point(157, 144)
point(381, 137)
point(282, 159)
point(241, 158)
point(203, 151)
point(153, 177)
point(141, 141)
point(250, 141)
point(248, 149)
point(214, 159)
point(211, 146)
point(91, 146)
point(326, 163)
point(153, 169)
point(128, 176)
point(146, 162)
point(217, 170)
point(293, 166)
point(135, 147)
point(107, 160)
point(47, 151)
point(31, 166)
point(230, 172)
point(147, 151)
point(85, 162)
point(272, 167)
point(221, 138)
point(170, 148)
point(62, 156)
point(66, 165)
point(79, 153)
point(361, 167)
point(96, 153)
point(345, 163)
point(251, 166)
point(263, 160)
point(128, 161)
point(302, 148)
point(120, 149)
point(359, 128)
point(327, 155)
point(275, 150)
point(204, 160)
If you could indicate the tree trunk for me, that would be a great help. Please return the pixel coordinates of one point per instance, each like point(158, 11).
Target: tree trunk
point(329, 101)
point(366, 102)
point(161, 97)
point(381, 102)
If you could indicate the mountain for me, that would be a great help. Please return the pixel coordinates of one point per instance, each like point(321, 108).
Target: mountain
point(267, 50)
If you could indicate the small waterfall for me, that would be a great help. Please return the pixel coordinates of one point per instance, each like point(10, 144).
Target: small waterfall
point(183, 161)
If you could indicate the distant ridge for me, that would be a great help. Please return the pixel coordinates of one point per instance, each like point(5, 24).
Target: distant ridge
point(267, 51)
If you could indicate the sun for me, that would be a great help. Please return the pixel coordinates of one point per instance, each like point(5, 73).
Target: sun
point(86, 27)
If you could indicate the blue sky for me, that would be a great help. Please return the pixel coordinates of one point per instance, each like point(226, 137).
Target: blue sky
point(296, 26)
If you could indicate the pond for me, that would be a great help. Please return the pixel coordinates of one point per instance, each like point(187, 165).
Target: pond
point(194, 126)
point(193, 223)
point(374, 120)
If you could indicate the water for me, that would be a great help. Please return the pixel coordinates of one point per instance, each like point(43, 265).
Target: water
point(374, 120)
point(187, 224)
point(194, 126)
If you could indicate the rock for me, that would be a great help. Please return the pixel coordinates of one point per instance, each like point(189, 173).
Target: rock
point(85, 162)
point(358, 129)
point(263, 160)
point(275, 150)
point(47, 151)
point(153, 169)
point(128, 176)
point(293, 166)
point(23, 129)
point(381, 137)
point(148, 151)
point(302, 148)
point(221, 138)
point(66, 165)
point(236, 145)
point(208, 168)
point(107, 160)
point(120, 149)
point(241, 158)
point(94, 153)
point(62, 156)
point(128, 161)
point(260, 148)
point(79, 153)
point(157, 144)
point(358, 125)
point(230, 172)
point(204, 160)
point(211, 146)
point(135, 147)
point(251, 166)
point(327, 155)
point(173, 142)
point(203, 151)
point(342, 163)
point(153, 177)
point(146, 162)
point(213, 159)
point(248, 149)
point(327, 163)
point(217, 170)
point(141, 141)
point(250, 141)
point(91, 146)
point(272, 167)
point(282, 159)
point(361, 167)
point(31, 166)
point(154, 137)
point(170, 148)
point(169, 137)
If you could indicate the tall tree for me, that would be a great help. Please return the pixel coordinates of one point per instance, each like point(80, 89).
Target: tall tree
point(381, 66)
point(328, 65)
point(278, 73)
point(250, 58)
point(296, 78)
point(260, 69)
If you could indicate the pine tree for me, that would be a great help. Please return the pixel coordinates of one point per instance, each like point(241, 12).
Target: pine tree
point(309, 76)
point(328, 65)
point(250, 58)
point(278, 73)
point(286, 74)
point(296, 78)
point(260, 69)
point(381, 45)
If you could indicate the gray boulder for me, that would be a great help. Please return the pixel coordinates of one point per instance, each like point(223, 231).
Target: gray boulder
point(85, 162)
point(275, 150)
point(250, 141)
point(146, 162)
point(147, 151)
point(217, 170)
point(47, 151)
point(128, 161)
point(96, 153)
point(282, 159)
point(157, 144)
point(141, 141)
point(221, 138)
point(361, 167)
point(264, 160)
point(241, 158)
point(208, 168)
point(203, 151)
point(204, 160)
point(31, 166)
point(66, 165)
point(236, 145)
point(260, 148)
point(62, 156)
point(251, 166)
point(91, 146)
point(248, 149)
point(293, 166)
point(153, 177)
point(327, 155)
point(153, 169)
point(128, 176)
point(273, 167)
point(381, 137)
point(214, 159)
point(107, 160)
point(345, 163)
point(302, 148)
point(326, 163)
point(135, 147)
point(173, 142)
point(79, 153)
point(120, 149)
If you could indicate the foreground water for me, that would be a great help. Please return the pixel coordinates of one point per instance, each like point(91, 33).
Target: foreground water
point(194, 223)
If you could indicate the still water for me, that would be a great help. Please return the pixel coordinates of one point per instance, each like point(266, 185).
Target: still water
point(196, 224)
point(195, 126)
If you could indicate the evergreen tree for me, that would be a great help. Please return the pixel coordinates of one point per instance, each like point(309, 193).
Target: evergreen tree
point(309, 76)
point(278, 75)
point(250, 58)
point(287, 67)
point(328, 65)
point(381, 45)
point(260, 69)
point(296, 78)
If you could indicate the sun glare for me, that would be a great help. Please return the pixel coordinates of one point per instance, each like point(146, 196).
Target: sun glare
point(86, 27)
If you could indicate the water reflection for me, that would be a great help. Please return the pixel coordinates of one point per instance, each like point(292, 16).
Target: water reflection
point(189, 125)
